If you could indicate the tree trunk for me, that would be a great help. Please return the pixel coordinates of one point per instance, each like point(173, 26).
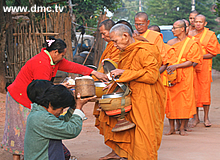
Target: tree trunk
point(3, 28)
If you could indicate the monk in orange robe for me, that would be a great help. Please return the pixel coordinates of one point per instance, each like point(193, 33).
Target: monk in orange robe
point(209, 44)
point(169, 57)
point(139, 68)
point(192, 21)
point(111, 53)
point(141, 24)
point(182, 91)
point(197, 68)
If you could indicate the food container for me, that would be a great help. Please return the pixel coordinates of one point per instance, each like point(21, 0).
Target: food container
point(99, 88)
point(85, 86)
point(112, 101)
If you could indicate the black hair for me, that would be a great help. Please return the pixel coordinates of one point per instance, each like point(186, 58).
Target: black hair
point(37, 88)
point(126, 23)
point(108, 23)
point(58, 44)
point(58, 96)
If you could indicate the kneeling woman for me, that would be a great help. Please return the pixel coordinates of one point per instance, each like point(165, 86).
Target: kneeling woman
point(45, 128)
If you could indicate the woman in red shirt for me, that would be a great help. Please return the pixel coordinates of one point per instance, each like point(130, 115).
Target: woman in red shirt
point(42, 66)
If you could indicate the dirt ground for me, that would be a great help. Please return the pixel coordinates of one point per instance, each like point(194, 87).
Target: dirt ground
point(202, 143)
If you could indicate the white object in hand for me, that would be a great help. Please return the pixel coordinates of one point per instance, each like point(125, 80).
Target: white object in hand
point(71, 81)
point(109, 77)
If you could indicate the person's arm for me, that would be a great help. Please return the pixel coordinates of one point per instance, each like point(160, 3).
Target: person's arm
point(51, 127)
point(67, 116)
point(163, 68)
point(77, 109)
point(212, 47)
point(208, 56)
point(172, 68)
point(148, 74)
point(67, 66)
point(194, 64)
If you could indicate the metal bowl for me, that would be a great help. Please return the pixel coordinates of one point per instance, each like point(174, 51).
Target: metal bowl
point(113, 95)
point(100, 84)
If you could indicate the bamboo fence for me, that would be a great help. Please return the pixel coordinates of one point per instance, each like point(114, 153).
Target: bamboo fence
point(25, 39)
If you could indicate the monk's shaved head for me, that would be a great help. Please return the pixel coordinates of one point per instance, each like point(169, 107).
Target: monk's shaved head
point(187, 22)
point(194, 12)
point(181, 23)
point(154, 28)
point(142, 15)
point(119, 29)
point(108, 23)
point(202, 16)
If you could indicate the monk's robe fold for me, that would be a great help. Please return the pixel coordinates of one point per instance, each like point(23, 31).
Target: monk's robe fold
point(156, 38)
point(140, 62)
point(167, 54)
point(112, 53)
point(209, 45)
point(170, 58)
point(182, 94)
point(197, 69)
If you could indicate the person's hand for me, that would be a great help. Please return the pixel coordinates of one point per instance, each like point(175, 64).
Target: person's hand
point(136, 33)
point(80, 102)
point(102, 77)
point(116, 72)
point(107, 87)
point(66, 84)
point(171, 68)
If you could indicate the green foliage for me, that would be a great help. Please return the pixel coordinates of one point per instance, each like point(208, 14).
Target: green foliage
point(127, 11)
point(87, 11)
point(204, 7)
point(165, 12)
point(218, 8)
point(216, 62)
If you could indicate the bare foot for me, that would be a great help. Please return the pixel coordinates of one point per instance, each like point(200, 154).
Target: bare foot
point(188, 129)
point(207, 123)
point(170, 132)
point(109, 156)
point(194, 123)
point(183, 132)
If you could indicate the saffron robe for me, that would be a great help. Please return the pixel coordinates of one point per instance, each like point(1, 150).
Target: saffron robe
point(140, 62)
point(156, 38)
point(209, 45)
point(182, 94)
point(110, 52)
point(197, 69)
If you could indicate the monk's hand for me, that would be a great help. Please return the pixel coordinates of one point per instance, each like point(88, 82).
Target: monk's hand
point(116, 72)
point(136, 33)
point(102, 77)
point(107, 87)
point(171, 68)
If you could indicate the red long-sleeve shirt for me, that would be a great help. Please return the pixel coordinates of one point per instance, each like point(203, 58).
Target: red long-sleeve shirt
point(39, 67)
